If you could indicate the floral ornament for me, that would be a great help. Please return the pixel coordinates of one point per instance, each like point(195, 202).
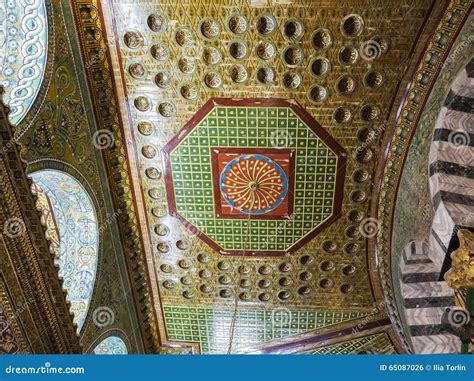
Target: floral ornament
point(253, 184)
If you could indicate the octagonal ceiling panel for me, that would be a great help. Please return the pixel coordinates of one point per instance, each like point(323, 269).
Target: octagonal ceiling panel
point(254, 176)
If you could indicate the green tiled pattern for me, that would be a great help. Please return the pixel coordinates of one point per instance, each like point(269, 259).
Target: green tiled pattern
point(212, 327)
point(348, 347)
point(250, 127)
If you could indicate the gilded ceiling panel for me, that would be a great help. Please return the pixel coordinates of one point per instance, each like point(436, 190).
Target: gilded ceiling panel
point(339, 64)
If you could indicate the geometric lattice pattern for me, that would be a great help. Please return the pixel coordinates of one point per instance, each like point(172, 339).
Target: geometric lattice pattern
point(212, 327)
point(368, 344)
point(191, 179)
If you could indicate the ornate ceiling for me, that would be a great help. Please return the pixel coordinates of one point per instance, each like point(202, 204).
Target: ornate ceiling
point(243, 160)
point(205, 85)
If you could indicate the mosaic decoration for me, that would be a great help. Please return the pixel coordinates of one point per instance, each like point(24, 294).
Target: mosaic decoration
point(416, 204)
point(23, 53)
point(76, 221)
point(219, 181)
point(57, 133)
point(111, 345)
point(253, 184)
point(172, 58)
point(275, 190)
point(212, 327)
point(408, 118)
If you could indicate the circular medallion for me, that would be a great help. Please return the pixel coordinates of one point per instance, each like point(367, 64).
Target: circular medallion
point(237, 23)
point(137, 70)
point(184, 37)
point(211, 55)
point(253, 184)
point(210, 29)
point(157, 22)
point(133, 40)
point(160, 51)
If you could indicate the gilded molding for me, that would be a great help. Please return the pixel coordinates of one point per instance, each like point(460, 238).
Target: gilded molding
point(94, 48)
point(461, 274)
point(28, 268)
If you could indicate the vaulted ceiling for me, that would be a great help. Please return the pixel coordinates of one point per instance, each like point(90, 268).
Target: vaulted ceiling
point(246, 145)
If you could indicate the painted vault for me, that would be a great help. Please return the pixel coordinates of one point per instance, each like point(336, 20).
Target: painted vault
point(243, 218)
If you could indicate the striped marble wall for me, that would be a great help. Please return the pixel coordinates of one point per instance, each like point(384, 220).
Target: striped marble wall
point(451, 169)
point(425, 300)
point(451, 164)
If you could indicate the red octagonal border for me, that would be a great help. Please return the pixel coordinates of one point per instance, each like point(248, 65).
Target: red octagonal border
point(256, 102)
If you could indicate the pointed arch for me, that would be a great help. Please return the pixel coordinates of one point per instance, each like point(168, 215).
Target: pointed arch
point(70, 214)
point(23, 53)
point(112, 345)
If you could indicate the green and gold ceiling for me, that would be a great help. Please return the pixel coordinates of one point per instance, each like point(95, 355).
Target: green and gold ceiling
point(200, 81)
point(242, 142)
